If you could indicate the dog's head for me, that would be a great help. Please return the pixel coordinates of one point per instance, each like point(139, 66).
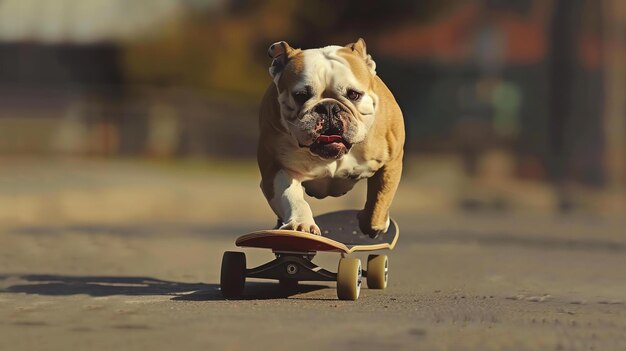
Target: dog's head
point(326, 99)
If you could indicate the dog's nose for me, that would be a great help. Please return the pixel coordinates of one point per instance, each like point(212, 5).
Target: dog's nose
point(321, 109)
point(327, 108)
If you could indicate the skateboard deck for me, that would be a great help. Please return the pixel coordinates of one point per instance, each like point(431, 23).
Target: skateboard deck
point(340, 233)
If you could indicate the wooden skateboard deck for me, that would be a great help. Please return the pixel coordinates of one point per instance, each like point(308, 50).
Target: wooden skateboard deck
point(340, 233)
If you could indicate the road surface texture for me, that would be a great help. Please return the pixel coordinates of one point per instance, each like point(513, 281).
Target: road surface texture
point(101, 255)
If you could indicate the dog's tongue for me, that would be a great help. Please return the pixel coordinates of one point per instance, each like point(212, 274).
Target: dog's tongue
point(329, 138)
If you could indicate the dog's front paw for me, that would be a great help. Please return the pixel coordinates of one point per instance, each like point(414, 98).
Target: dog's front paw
point(307, 226)
point(371, 227)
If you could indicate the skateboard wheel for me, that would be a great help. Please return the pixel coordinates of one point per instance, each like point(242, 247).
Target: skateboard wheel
point(377, 271)
point(233, 274)
point(349, 279)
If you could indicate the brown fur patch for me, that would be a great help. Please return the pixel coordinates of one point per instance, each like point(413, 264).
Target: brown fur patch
point(357, 65)
point(292, 71)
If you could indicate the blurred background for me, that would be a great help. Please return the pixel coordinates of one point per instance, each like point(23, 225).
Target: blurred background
point(118, 110)
point(128, 133)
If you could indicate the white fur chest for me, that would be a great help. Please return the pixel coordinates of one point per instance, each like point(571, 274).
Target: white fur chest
point(351, 166)
point(337, 177)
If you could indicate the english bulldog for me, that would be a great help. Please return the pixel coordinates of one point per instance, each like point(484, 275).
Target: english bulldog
point(326, 122)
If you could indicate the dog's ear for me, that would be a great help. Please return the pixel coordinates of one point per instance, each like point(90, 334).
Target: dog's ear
point(360, 49)
point(280, 52)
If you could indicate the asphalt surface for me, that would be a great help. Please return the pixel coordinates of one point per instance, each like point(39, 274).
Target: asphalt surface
point(104, 256)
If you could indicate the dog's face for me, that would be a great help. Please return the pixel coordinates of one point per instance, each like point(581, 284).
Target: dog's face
point(325, 95)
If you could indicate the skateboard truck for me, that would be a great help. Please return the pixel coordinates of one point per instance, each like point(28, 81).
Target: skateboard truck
point(291, 266)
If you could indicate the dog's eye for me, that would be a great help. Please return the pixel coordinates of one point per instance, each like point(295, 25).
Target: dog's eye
point(301, 97)
point(353, 95)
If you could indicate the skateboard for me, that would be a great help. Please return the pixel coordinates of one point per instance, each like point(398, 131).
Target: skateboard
point(294, 252)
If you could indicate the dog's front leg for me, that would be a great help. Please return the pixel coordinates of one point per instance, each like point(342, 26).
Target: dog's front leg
point(288, 202)
point(381, 188)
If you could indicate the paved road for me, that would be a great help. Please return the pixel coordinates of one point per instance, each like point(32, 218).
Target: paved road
point(117, 277)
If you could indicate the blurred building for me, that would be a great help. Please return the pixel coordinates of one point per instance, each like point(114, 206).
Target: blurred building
point(172, 78)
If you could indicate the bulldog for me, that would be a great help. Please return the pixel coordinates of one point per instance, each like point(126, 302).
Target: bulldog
point(326, 122)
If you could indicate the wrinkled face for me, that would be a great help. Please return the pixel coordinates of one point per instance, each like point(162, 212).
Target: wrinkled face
point(326, 99)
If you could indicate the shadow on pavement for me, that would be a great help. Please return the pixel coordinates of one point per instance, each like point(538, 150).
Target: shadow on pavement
point(253, 291)
point(97, 286)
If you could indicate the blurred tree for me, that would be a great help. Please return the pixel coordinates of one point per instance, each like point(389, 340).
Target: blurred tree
point(217, 52)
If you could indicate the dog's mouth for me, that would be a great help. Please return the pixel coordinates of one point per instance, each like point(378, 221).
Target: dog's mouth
point(327, 139)
point(330, 145)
